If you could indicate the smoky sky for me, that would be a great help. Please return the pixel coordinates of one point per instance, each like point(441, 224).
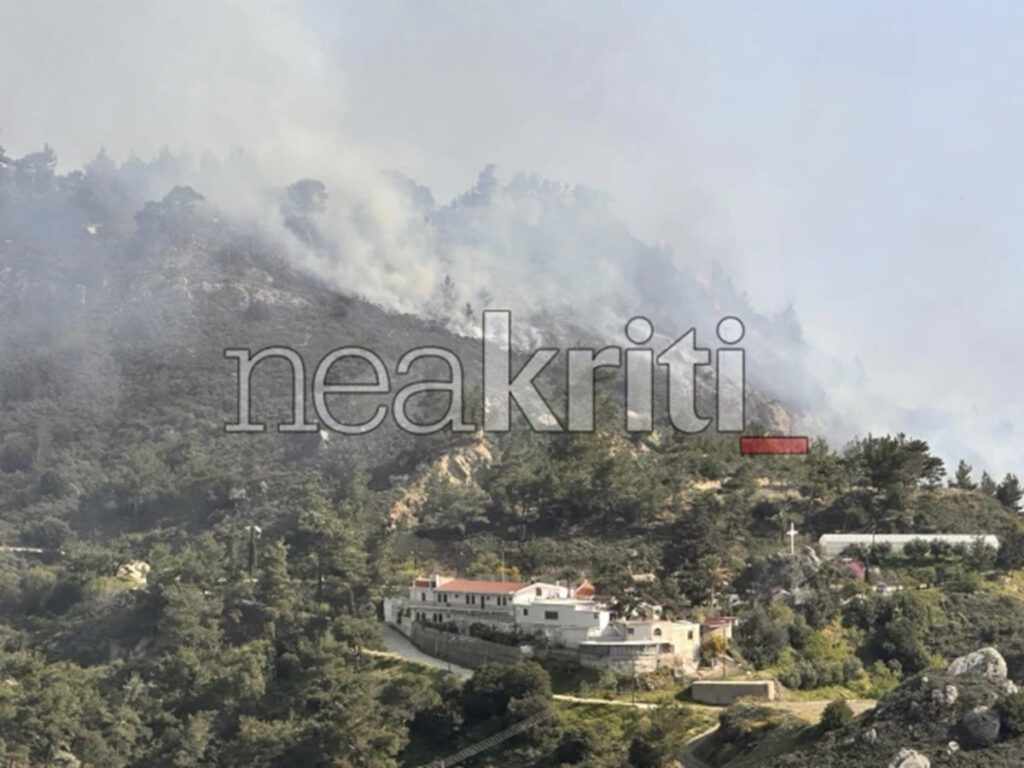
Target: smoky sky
point(850, 169)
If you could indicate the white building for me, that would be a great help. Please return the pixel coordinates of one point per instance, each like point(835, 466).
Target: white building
point(640, 645)
point(567, 621)
point(444, 599)
point(833, 544)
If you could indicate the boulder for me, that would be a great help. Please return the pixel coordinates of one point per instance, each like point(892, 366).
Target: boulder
point(946, 696)
point(982, 726)
point(986, 662)
point(910, 758)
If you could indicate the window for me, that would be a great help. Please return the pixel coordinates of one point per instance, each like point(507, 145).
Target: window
point(657, 631)
point(526, 612)
point(629, 630)
point(423, 596)
point(551, 615)
point(689, 635)
point(538, 592)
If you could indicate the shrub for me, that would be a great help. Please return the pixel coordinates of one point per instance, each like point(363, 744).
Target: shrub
point(836, 715)
point(1011, 712)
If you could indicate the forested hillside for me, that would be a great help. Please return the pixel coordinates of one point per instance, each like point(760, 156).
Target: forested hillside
point(172, 594)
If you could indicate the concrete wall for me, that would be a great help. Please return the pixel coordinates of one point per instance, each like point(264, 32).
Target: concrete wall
point(725, 692)
point(463, 650)
point(467, 651)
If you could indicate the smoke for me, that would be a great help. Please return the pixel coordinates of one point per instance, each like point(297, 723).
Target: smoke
point(242, 99)
point(238, 100)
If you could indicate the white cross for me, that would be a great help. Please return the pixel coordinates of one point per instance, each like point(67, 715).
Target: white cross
point(792, 538)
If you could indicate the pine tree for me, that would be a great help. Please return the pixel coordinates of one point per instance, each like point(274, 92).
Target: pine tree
point(1009, 492)
point(963, 479)
point(987, 485)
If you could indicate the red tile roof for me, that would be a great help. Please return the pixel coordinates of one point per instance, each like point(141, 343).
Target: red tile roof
point(490, 587)
point(585, 591)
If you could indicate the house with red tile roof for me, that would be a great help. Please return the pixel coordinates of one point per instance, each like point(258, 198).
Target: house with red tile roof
point(568, 617)
point(585, 591)
point(449, 600)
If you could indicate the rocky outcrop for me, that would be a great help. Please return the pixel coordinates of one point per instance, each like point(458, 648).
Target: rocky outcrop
point(985, 662)
point(136, 571)
point(910, 758)
point(459, 467)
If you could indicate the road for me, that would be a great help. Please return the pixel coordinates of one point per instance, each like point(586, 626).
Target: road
point(399, 645)
point(688, 758)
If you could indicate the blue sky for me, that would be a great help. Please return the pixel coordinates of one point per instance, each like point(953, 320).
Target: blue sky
point(859, 161)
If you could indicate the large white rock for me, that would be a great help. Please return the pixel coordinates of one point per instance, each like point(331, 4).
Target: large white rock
point(910, 758)
point(986, 662)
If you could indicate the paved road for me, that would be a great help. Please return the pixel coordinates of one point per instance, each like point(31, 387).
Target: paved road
point(689, 759)
point(400, 645)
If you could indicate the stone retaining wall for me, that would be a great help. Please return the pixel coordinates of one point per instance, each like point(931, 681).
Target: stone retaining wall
point(464, 650)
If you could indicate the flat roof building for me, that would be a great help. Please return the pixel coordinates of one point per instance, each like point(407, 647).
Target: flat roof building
point(833, 544)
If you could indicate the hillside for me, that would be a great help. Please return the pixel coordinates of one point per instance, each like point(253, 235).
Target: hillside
point(966, 714)
point(191, 596)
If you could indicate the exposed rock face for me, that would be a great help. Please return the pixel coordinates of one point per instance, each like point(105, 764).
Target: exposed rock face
point(982, 725)
point(910, 758)
point(985, 662)
point(777, 417)
point(461, 466)
point(136, 571)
